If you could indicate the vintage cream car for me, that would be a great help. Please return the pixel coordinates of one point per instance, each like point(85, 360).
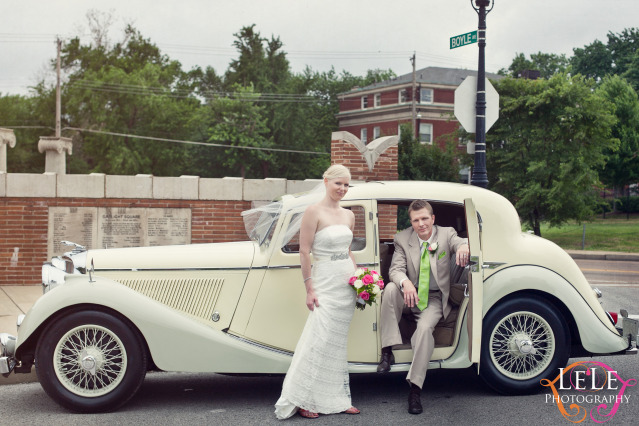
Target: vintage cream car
point(108, 316)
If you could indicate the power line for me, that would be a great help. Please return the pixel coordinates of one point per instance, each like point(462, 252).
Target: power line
point(126, 135)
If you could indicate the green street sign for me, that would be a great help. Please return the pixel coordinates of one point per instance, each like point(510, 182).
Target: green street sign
point(463, 40)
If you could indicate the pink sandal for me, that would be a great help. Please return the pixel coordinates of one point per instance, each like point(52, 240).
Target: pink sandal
point(307, 414)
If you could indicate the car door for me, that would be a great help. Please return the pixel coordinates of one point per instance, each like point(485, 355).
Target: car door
point(475, 282)
point(279, 313)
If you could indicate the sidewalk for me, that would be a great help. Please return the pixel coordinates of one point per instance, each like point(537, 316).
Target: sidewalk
point(16, 300)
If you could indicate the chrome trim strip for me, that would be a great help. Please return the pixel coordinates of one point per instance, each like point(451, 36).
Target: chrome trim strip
point(492, 265)
point(260, 345)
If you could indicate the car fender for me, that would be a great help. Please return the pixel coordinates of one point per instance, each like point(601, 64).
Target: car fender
point(176, 342)
point(597, 336)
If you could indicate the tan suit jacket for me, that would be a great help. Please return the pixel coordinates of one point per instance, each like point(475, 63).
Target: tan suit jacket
point(407, 256)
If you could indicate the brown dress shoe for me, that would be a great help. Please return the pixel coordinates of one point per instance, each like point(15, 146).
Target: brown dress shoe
point(385, 362)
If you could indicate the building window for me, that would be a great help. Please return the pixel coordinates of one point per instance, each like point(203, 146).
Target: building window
point(403, 96)
point(364, 102)
point(426, 133)
point(426, 96)
point(376, 132)
point(378, 99)
point(363, 135)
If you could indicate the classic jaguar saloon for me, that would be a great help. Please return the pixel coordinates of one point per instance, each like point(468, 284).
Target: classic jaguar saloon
point(523, 307)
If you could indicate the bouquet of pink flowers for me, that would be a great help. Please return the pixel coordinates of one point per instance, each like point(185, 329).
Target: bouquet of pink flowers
point(368, 284)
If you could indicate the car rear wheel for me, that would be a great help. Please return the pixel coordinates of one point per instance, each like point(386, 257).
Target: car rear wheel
point(523, 341)
point(90, 361)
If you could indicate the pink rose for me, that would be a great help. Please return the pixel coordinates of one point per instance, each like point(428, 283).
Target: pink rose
point(380, 284)
point(374, 273)
point(352, 280)
point(364, 295)
point(367, 279)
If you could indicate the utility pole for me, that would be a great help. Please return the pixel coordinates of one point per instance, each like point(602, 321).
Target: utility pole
point(58, 100)
point(480, 176)
point(413, 97)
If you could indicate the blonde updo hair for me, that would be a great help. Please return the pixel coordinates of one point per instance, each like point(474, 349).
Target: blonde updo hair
point(336, 171)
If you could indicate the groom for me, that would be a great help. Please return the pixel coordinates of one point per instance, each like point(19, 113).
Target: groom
point(419, 281)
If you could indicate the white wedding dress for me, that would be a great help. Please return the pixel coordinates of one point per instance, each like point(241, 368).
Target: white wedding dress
point(317, 379)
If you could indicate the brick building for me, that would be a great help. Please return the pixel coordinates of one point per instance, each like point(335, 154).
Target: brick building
point(379, 109)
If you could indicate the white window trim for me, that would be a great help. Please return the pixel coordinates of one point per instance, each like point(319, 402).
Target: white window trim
point(364, 99)
point(420, 133)
point(377, 100)
point(399, 96)
point(363, 135)
point(377, 132)
point(432, 96)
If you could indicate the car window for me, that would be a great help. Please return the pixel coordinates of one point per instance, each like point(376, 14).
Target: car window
point(359, 233)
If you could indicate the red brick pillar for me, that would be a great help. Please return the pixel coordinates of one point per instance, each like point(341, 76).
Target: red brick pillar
point(382, 154)
point(375, 161)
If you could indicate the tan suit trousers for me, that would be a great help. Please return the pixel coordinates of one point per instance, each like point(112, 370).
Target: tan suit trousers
point(422, 341)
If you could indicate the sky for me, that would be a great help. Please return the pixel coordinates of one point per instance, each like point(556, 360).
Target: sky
point(350, 35)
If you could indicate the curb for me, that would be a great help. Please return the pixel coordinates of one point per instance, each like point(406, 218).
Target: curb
point(603, 255)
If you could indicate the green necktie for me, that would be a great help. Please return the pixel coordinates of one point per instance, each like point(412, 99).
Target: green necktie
point(424, 279)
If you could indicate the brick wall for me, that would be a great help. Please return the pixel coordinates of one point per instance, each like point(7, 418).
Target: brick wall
point(215, 204)
point(24, 225)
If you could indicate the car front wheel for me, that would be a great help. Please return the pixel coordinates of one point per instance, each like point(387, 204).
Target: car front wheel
point(523, 341)
point(90, 361)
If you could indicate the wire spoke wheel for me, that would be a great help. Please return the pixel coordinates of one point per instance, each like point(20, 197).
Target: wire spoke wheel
point(524, 340)
point(90, 360)
point(522, 345)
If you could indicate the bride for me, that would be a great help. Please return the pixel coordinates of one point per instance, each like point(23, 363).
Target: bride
point(317, 380)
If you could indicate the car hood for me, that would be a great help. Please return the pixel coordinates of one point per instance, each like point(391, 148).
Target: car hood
point(192, 256)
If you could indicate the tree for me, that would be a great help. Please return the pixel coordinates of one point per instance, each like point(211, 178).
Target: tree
point(592, 61)
point(417, 161)
point(116, 93)
point(622, 165)
point(548, 64)
point(544, 151)
point(239, 122)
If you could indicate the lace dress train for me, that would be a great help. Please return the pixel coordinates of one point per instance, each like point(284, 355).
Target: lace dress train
point(317, 379)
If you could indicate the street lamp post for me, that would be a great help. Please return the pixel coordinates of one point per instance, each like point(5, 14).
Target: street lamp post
point(479, 176)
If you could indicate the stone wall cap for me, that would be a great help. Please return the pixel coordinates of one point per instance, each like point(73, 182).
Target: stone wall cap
point(52, 143)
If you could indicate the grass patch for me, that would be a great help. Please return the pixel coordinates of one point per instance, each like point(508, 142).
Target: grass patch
point(615, 233)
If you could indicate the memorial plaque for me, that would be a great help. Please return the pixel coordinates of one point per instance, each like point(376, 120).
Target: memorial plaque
point(77, 224)
point(168, 227)
point(115, 227)
point(121, 227)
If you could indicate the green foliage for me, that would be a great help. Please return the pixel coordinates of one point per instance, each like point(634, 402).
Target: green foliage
point(427, 162)
point(548, 64)
point(619, 56)
point(543, 151)
point(622, 165)
point(129, 89)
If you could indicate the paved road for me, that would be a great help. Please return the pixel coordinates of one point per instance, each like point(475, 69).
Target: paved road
point(450, 397)
point(602, 273)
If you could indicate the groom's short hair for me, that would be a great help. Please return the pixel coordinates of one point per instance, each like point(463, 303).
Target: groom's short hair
point(418, 205)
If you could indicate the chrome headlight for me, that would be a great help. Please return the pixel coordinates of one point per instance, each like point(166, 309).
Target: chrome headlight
point(7, 345)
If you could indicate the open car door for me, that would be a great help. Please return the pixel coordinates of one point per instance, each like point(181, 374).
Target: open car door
point(475, 282)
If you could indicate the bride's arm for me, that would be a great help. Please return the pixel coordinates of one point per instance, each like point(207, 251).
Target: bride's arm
point(307, 235)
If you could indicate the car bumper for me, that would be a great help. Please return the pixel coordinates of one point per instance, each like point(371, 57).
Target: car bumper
point(629, 329)
point(7, 353)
